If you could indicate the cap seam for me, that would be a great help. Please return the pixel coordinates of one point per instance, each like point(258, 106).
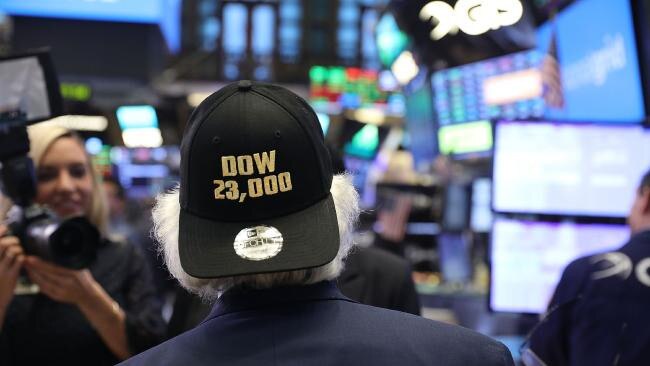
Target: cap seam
point(194, 133)
point(302, 128)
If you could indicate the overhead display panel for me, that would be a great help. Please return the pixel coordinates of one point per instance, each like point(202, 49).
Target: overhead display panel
point(591, 68)
point(165, 13)
point(504, 87)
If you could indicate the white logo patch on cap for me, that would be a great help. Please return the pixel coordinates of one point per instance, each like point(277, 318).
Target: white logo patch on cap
point(258, 243)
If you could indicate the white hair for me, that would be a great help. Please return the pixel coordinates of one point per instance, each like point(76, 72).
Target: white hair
point(165, 230)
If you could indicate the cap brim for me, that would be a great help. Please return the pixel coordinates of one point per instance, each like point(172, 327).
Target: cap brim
point(310, 238)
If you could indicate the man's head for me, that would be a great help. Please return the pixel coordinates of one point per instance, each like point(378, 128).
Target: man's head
point(115, 196)
point(639, 218)
point(258, 202)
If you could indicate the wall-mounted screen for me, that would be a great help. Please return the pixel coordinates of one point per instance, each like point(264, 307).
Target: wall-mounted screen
point(456, 207)
point(136, 116)
point(455, 261)
point(365, 141)
point(391, 41)
point(481, 208)
point(505, 87)
point(166, 13)
point(568, 169)
point(336, 88)
point(420, 125)
point(145, 172)
point(528, 258)
point(466, 140)
point(591, 71)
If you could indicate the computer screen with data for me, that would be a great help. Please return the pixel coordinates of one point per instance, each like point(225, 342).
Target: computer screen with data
point(528, 258)
point(508, 87)
point(568, 169)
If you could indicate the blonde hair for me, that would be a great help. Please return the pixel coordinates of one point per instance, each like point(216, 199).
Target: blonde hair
point(41, 138)
point(165, 230)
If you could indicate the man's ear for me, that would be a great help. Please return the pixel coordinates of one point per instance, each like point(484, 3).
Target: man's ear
point(645, 196)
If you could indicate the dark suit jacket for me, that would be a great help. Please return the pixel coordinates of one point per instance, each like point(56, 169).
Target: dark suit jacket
point(376, 277)
point(371, 276)
point(599, 312)
point(317, 325)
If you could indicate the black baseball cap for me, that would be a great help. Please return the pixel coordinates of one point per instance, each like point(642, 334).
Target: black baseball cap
point(255, 185)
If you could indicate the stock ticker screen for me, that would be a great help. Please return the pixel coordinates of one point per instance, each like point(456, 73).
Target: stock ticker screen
point(504, 87)
point(585, 67)
point(568, 169)
point(528, 258)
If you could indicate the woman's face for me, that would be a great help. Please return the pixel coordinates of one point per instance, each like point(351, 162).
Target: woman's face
point(64, 180)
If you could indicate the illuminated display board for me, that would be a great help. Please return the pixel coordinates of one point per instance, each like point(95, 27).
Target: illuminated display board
point(586, 169)
point(528, 258)
point(594, 74)
point(333, 89)
point(76, 92)
point(466, 139)
point(165, 13)
point(136, 116)
point(507, 87)
point(391, 41)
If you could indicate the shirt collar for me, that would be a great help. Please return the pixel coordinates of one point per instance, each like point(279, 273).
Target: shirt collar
point(241, 299)
point(643, 235)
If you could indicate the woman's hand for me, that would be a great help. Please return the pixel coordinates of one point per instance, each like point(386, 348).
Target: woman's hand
point(62, 284)
point(78, 287)
point(11, 260)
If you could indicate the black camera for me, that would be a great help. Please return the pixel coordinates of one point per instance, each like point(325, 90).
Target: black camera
point(30, 94)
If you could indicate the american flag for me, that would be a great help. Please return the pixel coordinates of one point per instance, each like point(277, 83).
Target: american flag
point(393, 217)
point(552, 76)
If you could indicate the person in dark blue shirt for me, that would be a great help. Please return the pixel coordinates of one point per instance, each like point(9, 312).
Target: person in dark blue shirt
point(600, 311)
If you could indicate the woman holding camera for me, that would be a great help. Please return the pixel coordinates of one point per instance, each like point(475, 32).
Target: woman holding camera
point(98, 315)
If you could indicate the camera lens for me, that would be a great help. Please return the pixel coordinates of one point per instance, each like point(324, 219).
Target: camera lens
point(69, 243)
point(74, 244)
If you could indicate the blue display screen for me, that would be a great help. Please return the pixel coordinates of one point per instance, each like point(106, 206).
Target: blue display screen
point(462, 94)
point(165, 13)
point(594, 45)
point(136, 116)
point(421, 127)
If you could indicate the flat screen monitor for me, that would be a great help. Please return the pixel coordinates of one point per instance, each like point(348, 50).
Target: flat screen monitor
point(568, 169)
point(145, 172)
point(420, 125)
point(362, 140)
point(455, 262)
point(456, 211)
point(391, 41)
point(592, 69)
point(466, 140)
point(481, 207)
point(166, 13)
point(136, 116)
point(359, 168)
point(528, 258)
point(504, 87)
